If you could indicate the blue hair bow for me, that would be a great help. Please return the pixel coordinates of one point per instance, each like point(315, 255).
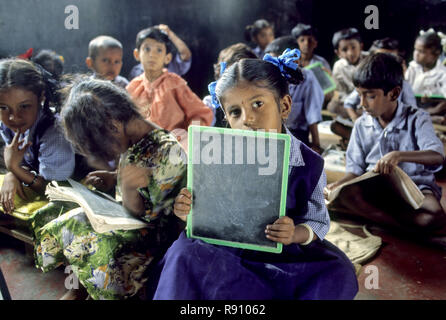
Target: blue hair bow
point(212, 85)
point(287, 59)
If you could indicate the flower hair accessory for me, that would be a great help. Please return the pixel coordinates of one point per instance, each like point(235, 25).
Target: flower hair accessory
point(27, 55)
point(212, 85)
point(287, 59)
point(440, 34)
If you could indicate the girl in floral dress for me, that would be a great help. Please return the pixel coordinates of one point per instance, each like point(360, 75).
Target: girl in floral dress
point(103, 124)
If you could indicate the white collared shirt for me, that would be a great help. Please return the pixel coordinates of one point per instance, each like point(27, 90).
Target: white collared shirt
point(432, 82)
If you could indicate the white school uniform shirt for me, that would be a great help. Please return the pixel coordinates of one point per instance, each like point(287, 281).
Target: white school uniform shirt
point(343, 76)
point(411, 129)
point(432, 82)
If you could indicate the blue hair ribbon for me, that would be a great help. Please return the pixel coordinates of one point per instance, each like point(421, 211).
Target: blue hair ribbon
point(287, 59)
point(212, 85)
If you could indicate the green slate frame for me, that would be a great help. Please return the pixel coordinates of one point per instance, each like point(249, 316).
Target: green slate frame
point(319, 65)
point(190, 169)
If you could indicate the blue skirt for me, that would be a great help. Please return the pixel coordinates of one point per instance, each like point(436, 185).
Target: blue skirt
point(195, 270)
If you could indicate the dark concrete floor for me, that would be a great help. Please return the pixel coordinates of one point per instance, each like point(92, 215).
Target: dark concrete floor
point(406, 270)
point(24, 280)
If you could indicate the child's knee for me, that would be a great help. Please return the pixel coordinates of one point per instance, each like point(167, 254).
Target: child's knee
point(429, 221)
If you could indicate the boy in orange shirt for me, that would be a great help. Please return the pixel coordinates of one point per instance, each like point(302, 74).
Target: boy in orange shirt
point(163, 97)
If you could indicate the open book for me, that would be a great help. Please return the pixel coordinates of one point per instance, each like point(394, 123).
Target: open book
point(396, 184)
point(103, 212)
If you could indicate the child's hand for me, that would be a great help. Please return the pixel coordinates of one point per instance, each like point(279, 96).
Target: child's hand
point(317, 148)
point(165, 28)
point(102, 180)
point(327, 71)
point(183, 204)
point(386, 164)
point(11, 186)
point(13, 155)
point(329, 188)
point(282, 230)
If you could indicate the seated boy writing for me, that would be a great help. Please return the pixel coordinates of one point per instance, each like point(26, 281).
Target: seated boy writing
point(105, 59)
point(391, 134)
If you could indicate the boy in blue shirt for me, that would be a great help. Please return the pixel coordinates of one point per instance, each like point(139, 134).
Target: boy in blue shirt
point(390, 134)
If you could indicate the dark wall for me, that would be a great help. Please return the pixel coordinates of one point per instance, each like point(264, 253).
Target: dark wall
point(207, 26)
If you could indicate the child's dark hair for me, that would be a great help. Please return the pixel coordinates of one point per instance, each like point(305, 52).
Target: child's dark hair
point(260, 73)
point(50, 61)
point(87, 114)
point(26, 75)
point(156, 34)
point(431, 40)
point(302, 29)
point(252, 30)
point(387, 44)
point(379, 71)
point(279, 45)
point(232, 54)
point(101, 43)
point(345, 34)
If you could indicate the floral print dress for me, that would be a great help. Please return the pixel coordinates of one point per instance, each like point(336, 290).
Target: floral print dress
point(116, 264)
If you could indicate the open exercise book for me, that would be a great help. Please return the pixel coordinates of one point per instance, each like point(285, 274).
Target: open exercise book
point(398, 183)
point(103, 212)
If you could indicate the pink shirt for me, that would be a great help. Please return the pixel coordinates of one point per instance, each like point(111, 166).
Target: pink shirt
point(168, 102)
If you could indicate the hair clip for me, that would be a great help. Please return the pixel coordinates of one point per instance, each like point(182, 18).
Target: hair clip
point(27, 55)
point(222, 67)
point(211, 88)
point(287, 59)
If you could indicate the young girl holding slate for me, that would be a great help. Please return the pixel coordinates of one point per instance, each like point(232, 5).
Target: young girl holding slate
point(254, 95)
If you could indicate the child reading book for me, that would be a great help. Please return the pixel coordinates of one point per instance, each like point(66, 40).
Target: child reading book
point(391, 134)
point(103, 124)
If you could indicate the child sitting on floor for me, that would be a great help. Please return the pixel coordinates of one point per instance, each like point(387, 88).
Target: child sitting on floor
point(427, 75)
point(228, 56)
point(391, 134)
point(254, 95)
point(307, 99)
point(105, 59)
point(181, 61)
point(305, 36)
point(51, 62)
point(163, 97)
point(36, 151)
point(352, 102)
point(261, 33)
point(347, 45)
point(101, 121)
